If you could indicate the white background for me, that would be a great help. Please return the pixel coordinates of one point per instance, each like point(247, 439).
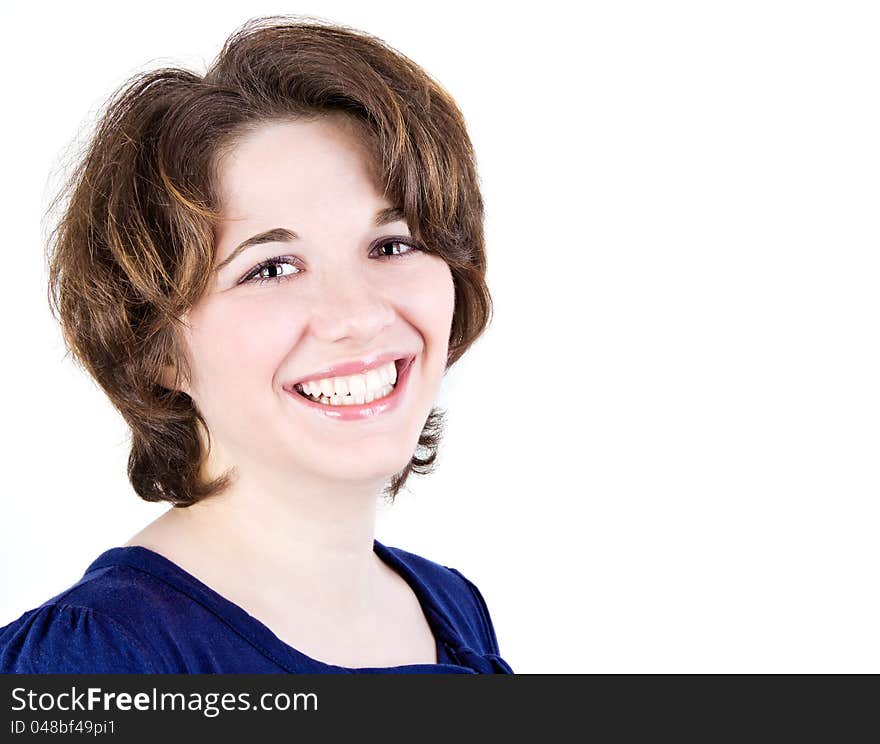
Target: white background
point(663, 455)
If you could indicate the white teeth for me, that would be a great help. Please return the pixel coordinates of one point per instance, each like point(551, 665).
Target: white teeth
point(389, 374)
point(353, 389)
point(373, 381)
point(357, 386)
point(353, 400)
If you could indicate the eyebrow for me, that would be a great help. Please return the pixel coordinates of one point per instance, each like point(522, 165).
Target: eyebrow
point(283, 235)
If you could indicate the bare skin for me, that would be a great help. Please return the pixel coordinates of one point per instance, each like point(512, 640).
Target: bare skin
point(380, 624)
point(291, 542)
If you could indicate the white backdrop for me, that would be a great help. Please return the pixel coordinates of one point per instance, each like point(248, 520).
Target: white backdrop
point(663, 455)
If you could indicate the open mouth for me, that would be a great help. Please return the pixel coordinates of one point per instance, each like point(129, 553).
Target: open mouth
point(377, 386)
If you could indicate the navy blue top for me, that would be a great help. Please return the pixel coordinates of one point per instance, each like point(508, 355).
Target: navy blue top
point(136, 612)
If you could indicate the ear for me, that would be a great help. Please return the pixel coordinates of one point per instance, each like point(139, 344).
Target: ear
point(167, 380)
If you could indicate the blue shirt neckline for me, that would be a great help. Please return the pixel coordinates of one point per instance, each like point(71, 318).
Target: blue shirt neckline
point(260, 635)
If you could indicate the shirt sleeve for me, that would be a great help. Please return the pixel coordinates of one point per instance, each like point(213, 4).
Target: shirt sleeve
point(63, 639)
point(482, 612)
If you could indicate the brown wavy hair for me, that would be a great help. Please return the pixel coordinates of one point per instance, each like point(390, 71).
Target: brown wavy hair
point(133, 247)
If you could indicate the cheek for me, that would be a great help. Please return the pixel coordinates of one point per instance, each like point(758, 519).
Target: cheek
point(428, 296)
point(239, 340)
point(235, 342)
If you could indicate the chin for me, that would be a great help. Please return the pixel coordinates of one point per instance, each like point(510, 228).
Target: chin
point(364, 470)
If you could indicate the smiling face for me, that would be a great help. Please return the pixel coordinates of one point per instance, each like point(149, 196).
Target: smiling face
point(326, 286)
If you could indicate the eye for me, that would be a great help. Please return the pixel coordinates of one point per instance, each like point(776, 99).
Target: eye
point(282, 268)
point(276, 269)
point(386, 249)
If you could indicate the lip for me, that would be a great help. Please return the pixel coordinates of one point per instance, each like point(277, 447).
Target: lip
point(366, 410)
point(354, 367)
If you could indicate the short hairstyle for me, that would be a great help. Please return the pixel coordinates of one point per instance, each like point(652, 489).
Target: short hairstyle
point(133, 247)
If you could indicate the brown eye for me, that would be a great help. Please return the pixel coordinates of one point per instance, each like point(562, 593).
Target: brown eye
point(272, 270)
point(275, 270)
point(387, 249)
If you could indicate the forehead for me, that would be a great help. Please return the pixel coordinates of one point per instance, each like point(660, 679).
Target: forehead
point(287, 162)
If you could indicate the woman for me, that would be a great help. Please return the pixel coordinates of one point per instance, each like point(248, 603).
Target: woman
point(268, 269)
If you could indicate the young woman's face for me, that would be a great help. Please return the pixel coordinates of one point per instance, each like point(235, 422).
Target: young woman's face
point(339, 288)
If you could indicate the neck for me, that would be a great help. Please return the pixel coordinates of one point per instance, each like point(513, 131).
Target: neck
point(313, 535)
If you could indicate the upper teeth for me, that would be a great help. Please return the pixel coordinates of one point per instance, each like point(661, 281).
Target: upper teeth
point(372, 381)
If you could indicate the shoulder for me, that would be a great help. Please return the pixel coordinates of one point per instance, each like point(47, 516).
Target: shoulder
point(457, 597)
point(67, 639)
point(92, 627)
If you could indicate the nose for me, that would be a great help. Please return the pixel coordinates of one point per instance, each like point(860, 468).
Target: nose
point(349, 306)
